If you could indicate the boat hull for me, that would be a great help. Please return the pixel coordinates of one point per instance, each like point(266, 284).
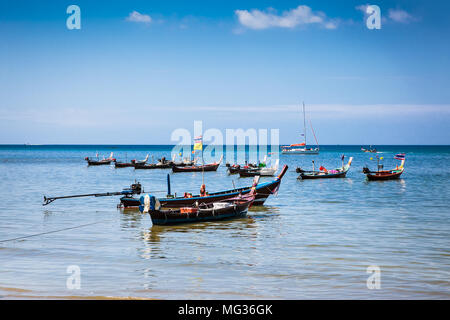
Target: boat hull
point(174, 216)
point(379, 176)
point(123, 165)
point(255, 172)
point(234, 169)
point(98, 163)
point(321, 175)
point(300, 151)
point(152, 166)
point(207, 167)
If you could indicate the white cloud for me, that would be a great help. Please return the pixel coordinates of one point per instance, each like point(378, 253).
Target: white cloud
point(400, 16)
point(302, 15)
point(139, 17)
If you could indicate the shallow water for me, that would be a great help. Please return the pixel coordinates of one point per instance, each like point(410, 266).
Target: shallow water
point(315, 239)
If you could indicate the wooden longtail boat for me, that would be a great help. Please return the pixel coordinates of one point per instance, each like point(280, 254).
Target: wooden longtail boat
point(97, 162)
point(264, 171)
point(235, 207)
point(200, 168)
point(153, 166)
point(132, 163)
point(206, 167)
point(325, 174)
point(385, 174)
point(263, 191)
point(183, 164)
point(233, 169)
point(225, 209)
point(123, 164)
point(161, 164)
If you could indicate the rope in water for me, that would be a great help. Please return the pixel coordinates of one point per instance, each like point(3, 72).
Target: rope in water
point(53, 231)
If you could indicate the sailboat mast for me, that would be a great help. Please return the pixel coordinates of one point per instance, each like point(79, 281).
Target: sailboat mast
point(304, 123)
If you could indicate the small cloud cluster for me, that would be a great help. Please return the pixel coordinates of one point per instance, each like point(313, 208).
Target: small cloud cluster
point(400, 16)
point(302, 15)
point(139, 17)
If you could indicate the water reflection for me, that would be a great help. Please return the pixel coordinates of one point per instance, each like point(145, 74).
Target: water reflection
point(156, 240)
point(155, 232)
point(399, 182)
point(264, 212)
point(131, 218)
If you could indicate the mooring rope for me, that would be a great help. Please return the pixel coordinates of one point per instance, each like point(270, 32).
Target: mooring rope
point(54, 231)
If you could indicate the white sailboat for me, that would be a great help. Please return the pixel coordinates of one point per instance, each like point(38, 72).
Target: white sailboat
point(301, 148)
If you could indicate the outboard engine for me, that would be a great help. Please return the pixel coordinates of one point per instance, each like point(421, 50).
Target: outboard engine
point(136, 188)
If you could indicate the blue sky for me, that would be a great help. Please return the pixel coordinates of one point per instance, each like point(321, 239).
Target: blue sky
point(137, 70)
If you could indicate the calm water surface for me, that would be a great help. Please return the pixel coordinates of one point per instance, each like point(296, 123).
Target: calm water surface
point(314, 240)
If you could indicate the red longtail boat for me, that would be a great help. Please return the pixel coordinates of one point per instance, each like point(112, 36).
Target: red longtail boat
point(386, 174)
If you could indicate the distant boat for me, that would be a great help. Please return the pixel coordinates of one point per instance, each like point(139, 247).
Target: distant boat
point(300, 148)
point(163, 163)
point(97, 162)
point(263, 172)
point(123, 164)
point(372, 150)
point(324, 173)
point(386, 174)
point(132, 163)
point(235, 168)
point(200, 168)
point(183, 163)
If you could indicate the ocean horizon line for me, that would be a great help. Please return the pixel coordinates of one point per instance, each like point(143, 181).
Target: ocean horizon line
point(239, 145)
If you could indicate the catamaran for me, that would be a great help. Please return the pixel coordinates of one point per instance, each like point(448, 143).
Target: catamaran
point(300, 148)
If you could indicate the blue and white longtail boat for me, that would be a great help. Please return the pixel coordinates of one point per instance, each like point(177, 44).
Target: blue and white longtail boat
point(263, 191)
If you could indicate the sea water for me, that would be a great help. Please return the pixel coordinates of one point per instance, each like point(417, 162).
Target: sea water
point(315, 239)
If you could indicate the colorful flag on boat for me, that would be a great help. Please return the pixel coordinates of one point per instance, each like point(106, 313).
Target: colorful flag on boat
point(399, 156)
point(198, 143)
